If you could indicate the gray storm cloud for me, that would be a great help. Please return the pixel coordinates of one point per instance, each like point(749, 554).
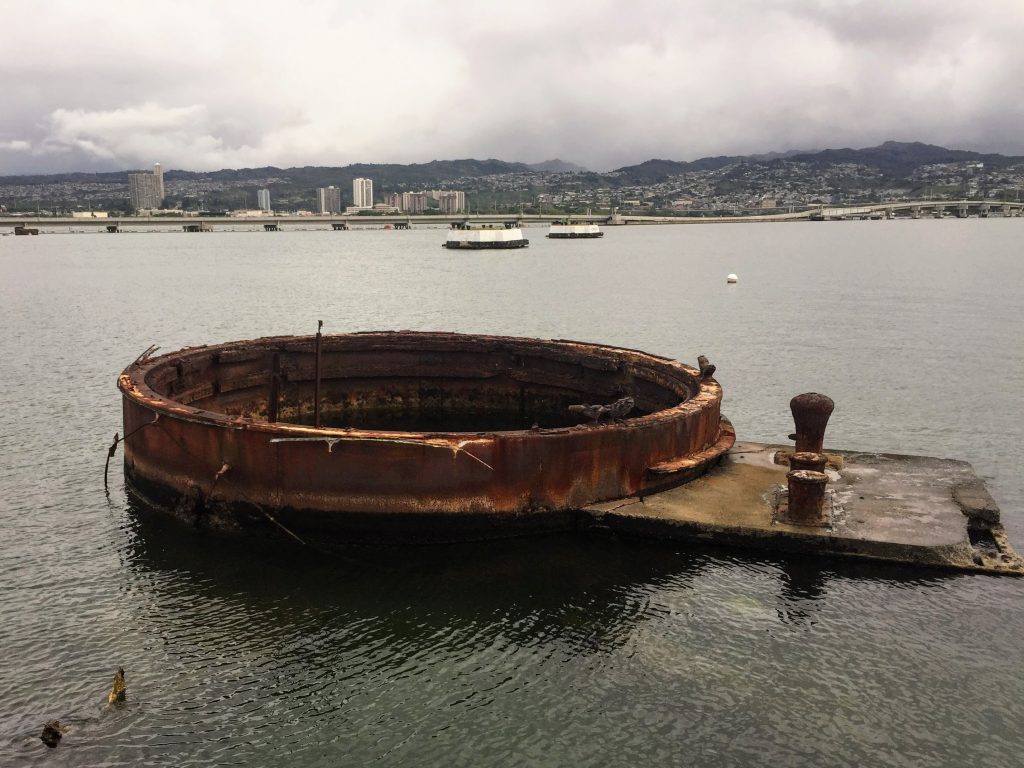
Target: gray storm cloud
point(111, 85)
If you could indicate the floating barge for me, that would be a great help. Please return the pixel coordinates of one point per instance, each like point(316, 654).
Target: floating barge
point(477, 236)
point(572, 230)
point(417, 437)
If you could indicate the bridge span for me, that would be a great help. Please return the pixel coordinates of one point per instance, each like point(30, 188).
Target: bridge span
point(910, 209)
point(915, 209)
point(276, 223)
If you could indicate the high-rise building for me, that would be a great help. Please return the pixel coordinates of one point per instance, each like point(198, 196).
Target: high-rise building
point(393, 200)
point(452, 201)
point(263, 199)
point(329, 199)
point(362, 193)
point(158, 171)
point(146, 190)
point(414, 202)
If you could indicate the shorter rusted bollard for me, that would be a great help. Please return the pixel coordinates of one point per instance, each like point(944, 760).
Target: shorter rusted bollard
point(806, 497)
point(815, 462)
point(810, 414)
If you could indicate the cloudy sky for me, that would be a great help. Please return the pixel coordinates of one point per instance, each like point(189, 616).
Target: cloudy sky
point(107, 85)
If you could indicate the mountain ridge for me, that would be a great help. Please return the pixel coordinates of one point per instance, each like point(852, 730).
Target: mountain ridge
point(894, 159)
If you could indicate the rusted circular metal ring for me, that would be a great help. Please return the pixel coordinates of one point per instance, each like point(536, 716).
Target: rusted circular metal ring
point(219, 428)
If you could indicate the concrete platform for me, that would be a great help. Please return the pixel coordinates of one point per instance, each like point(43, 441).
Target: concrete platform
point(911, 509)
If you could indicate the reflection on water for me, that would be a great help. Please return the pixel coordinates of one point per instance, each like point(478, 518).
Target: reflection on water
point(536, 584)
point(403, 652)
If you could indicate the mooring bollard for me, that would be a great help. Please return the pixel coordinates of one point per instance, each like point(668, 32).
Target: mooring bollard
point(806, 497)
point(810, 414)
point(815, 462)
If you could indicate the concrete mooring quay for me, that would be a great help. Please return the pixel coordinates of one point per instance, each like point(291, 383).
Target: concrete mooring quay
point(909, 509)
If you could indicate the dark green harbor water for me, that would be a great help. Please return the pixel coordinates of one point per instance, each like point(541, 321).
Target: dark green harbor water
point(555, 651)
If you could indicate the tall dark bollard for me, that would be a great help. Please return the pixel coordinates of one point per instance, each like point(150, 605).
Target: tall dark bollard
point(810, 413)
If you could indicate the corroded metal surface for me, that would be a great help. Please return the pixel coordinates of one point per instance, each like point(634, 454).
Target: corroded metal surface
point(208, 428)
point(806, 497)
point(810, 413)
point(815, 462)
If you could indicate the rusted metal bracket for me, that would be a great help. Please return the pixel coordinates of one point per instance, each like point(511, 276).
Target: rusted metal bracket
point(707, 370)
point(148, 353)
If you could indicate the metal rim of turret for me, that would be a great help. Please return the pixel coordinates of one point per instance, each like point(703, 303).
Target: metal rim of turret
point(196, 430)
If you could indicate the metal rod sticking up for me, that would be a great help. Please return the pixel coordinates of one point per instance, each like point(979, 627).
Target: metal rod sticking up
point(274, 401)
point(316, 384)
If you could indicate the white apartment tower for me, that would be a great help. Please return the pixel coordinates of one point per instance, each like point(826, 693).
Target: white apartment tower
point(158, 172)
point(362, 193)
point(263, 199)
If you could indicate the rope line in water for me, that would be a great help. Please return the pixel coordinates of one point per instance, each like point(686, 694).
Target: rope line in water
point(113, 447)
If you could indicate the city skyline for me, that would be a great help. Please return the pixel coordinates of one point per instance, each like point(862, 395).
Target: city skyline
point(101, 91)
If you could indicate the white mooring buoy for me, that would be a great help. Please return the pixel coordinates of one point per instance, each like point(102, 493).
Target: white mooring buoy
point(731, 278)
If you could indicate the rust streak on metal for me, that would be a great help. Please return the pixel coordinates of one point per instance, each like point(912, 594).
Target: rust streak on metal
point(332, 441)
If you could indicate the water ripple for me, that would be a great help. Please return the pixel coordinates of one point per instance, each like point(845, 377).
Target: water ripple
point(557, 651)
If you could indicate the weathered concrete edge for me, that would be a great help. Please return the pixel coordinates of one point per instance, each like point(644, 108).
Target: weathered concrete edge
point(958, 557)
